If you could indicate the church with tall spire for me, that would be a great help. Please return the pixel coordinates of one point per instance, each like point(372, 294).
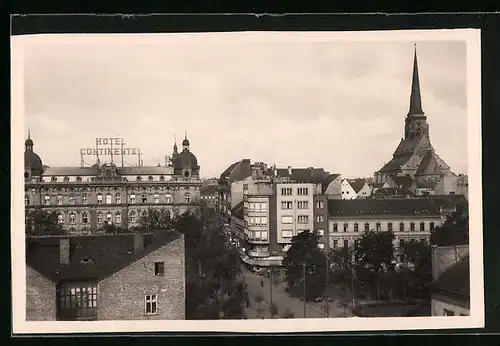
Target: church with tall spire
point(415, 161)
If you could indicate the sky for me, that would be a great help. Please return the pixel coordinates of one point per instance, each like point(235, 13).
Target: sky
point(336, 105)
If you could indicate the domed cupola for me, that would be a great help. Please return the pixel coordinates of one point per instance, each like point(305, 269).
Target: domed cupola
point(33, 166)
point(185, 163)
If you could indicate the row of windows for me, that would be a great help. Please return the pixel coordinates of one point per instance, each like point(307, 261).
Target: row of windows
point(288, 205)
point(257, 206)
point(345, 242)
point(378, 227)
point(108, 217)
point(108, 199)
point(208, 197)
point(80, 179)
point(257, 220)
point(301, 191)
point(288, 219)
point(257, 235)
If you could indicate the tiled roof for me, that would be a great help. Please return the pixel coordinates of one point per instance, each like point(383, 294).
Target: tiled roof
point(428, 165)
point(396, 163)
point(357, 184)
point(237, 171)
point(303, 175)
point(455, 280)
point(403, 181)
point(328, 179)
point(427, 184)
point(208, 189)
point(143, 170)
point(91, 257)
point(357, 207)
point(237, 211)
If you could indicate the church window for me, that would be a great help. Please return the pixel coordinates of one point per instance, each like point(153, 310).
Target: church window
point(412, 226)
point(422, 226)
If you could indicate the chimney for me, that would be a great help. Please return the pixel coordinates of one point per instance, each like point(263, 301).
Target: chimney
point(64, 250)
point(138, 242)
point(289, 170)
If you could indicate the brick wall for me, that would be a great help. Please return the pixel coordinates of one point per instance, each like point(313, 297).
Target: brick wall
point(40, 297)
point(122, 295)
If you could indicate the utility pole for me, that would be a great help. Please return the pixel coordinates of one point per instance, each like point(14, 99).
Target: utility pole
point(304, 276)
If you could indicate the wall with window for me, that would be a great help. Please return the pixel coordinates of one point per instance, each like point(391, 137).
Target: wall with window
point(405, 228)
point(150, 288)
point(40, 297)
point(347, 190)
point(334, 189)
point(446, 306)
point(295, 209)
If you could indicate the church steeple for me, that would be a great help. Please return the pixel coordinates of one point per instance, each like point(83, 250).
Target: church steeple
point(415, 97)
point(175, 147)
point(185, 142)
point(29, 143)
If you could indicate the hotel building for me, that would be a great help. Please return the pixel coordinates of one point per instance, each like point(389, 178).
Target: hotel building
point(89, 197)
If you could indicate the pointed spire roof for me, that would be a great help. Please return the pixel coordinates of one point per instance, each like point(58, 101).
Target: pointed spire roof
point(415, 97)
point(185, 142)
point(29, 142)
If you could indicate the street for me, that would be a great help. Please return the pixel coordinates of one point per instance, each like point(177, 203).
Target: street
point(283, 301)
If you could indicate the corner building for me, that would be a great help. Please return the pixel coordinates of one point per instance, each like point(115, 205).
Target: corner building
point(89, 197)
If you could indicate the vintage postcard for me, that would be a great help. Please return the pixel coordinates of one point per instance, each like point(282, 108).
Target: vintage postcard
point(247, 182)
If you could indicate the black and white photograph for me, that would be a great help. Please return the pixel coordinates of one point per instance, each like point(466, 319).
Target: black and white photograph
point(247, 182)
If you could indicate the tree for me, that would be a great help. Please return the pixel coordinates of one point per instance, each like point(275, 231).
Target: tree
point(417, 267)
point(155, 219)
point(375, 252)
point(213, 288)
point(305, 252)
point(454, 231)
point(42, 222)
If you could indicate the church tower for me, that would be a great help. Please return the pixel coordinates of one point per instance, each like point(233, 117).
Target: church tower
point(414, 157)
point(416, 122)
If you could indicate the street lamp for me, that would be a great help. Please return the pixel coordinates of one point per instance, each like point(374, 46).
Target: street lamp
point(325, 244)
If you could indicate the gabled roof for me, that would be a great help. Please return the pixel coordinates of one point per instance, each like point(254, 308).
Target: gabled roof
point(238, 211)
point(91, 257)
point(328, 179)
point(357, 184)
point(396, 162)
point(237, 171)
point(359, 207)
point(428, 165)
point(455, 280)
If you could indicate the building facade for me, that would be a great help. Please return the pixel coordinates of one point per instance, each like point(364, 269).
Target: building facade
point(410, 220)
point(87, 198)
point(209, 195)
point(111, 277)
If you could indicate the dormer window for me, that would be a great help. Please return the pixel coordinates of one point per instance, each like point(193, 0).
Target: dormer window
point(162, 178)
point(54, 179)
point(150, 178)
point(66, 179)
point(139, 178)
point(78, 178)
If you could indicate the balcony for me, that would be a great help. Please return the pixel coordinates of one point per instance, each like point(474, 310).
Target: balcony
point(257, 240)
point(252, 253)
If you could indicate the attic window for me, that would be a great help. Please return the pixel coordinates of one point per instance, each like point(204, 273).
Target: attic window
point(159, 268)
point(150, 178)
point(162, 178)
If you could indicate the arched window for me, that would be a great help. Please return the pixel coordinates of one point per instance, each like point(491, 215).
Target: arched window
point(118, 198)
point(144, 198)
point(66, 179)
point(133, 216)
point(72, 199)
point(54, 179)
point(118, 217)
point(85, 217)
point(108, 199)
point(99, 217)
point(72, 218)
point(99, 198)
point(186, 174)
point(60, 219)
point(109, 217)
